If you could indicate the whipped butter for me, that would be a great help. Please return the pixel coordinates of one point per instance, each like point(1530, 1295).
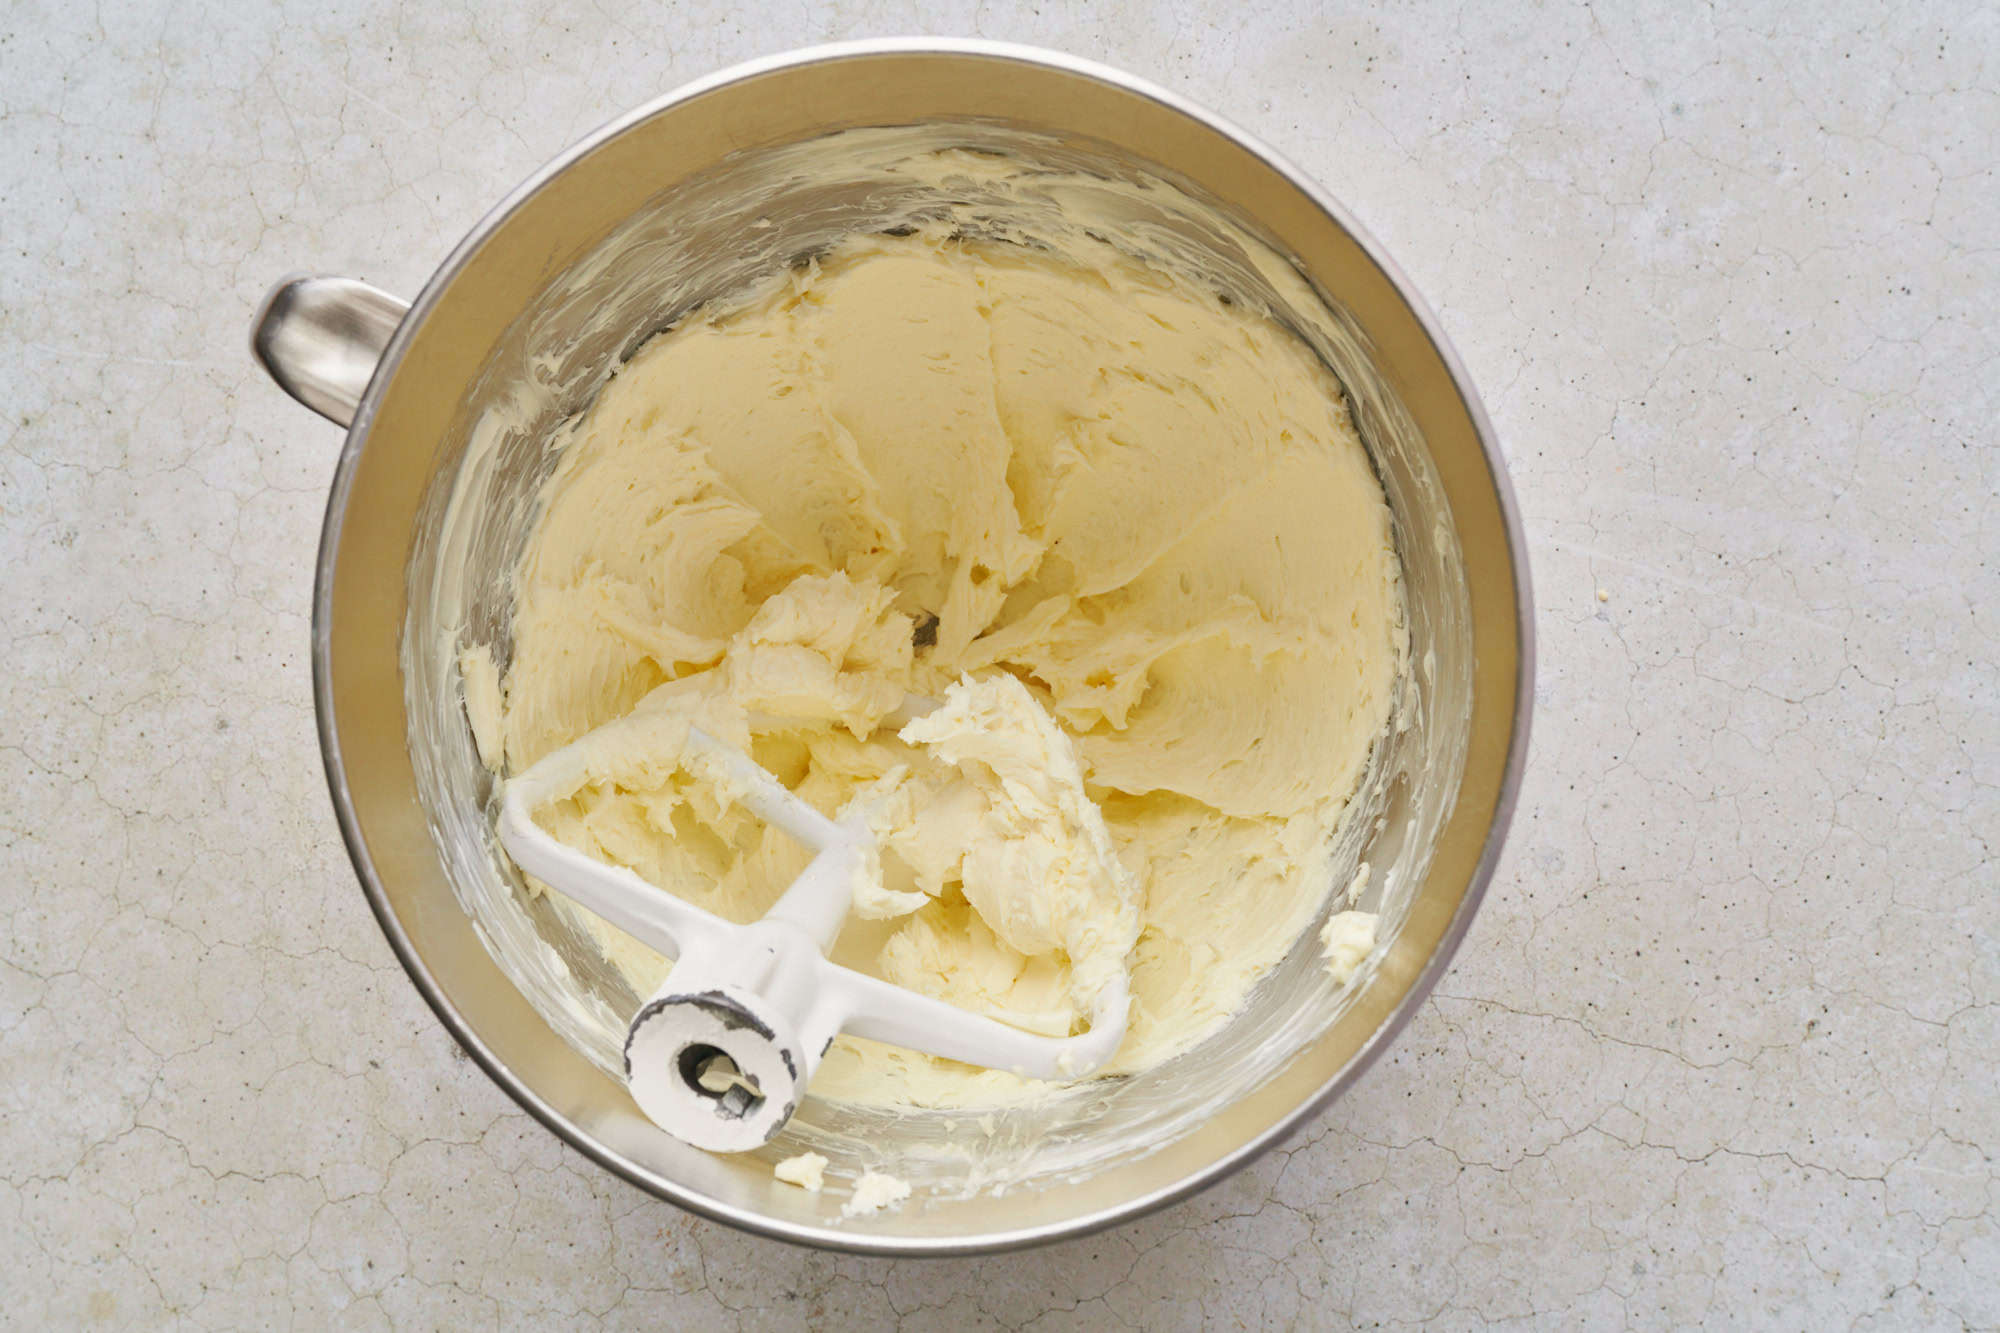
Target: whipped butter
point(1121, 531)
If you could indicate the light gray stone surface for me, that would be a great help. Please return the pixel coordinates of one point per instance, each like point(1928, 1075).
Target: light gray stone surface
point(1721, 1047)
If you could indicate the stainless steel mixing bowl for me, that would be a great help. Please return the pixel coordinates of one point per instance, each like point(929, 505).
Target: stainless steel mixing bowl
point(448, 401)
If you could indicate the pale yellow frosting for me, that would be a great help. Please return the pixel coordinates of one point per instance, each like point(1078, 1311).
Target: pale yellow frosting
point(1124, 531)
point(1347, 939)
point(807, 1170)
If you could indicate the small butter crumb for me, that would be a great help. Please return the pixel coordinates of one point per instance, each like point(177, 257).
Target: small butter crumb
point(1358, 885)
point(1348, 938)
point(807, 1171)
point(1603, 595)
point(874, 1192)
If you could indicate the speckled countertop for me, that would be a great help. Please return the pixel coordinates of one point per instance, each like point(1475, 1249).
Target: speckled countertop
point(1722, 1044)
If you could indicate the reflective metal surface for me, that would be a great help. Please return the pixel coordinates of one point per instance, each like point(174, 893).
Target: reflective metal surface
point(322, 338)
point(1456, 524)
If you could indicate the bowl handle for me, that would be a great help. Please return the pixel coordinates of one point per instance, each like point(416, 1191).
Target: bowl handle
point(321, 339)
